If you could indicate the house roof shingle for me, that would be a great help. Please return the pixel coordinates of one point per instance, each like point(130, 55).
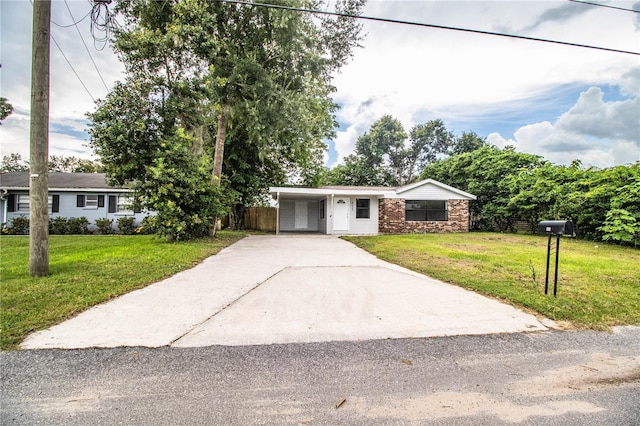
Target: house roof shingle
point(58, 180)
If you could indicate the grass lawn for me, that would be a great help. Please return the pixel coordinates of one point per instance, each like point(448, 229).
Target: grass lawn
point(598, 284)
point(85, 271)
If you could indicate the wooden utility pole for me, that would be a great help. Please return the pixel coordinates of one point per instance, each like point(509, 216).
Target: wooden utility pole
point(39, 142)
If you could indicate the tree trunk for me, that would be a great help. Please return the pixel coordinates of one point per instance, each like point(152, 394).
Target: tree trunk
point(216, 174)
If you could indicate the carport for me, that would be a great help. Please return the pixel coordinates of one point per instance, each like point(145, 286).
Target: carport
point(328, 210)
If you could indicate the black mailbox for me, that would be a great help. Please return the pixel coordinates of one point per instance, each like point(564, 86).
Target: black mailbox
point(555, 227)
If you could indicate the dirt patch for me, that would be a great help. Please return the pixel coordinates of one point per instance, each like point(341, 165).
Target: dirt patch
point(464, 404)
point(601, 371)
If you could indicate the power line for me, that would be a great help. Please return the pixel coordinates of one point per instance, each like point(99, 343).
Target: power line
point(73, 23)
point(605, 5)
point(68, 62)
point(72, 69)
point(85, 46)
point(419, 24)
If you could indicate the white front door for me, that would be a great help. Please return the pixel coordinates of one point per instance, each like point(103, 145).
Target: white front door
point(341, 214)
point(302, 216)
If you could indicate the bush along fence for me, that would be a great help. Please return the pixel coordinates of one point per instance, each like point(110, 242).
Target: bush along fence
point(81, 226)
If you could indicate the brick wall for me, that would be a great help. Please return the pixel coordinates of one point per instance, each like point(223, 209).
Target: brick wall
point(391, 211)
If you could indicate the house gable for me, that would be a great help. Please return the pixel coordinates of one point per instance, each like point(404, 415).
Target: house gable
point(430, 189)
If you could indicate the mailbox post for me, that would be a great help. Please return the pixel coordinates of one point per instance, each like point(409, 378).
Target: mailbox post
point(551, 228)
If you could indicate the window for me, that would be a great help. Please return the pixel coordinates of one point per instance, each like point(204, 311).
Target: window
point(362, 208)
point(22, 202)
point(125, 204)
point(425, 210)
point(90, 201)
point(322, 209)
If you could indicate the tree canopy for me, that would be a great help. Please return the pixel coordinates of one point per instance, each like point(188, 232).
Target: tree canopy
point(387, 156)
point(246, 87)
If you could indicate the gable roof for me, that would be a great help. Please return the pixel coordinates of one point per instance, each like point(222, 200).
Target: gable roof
point(436, 183)
point(65, 181)
point(380, 191)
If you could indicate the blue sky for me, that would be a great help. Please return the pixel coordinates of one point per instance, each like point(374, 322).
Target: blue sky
point(560, 102)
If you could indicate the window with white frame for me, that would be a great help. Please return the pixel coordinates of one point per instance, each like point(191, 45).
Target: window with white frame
point(22, 202)
point(124, 204)
point(91, 201)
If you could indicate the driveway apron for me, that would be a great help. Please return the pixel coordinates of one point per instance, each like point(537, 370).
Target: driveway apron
point(285, 289)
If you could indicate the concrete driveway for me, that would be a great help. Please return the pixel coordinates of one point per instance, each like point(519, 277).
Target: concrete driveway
point(285, 289)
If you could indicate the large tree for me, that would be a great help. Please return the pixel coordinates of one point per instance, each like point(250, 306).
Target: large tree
point(248, 86)
point(387, 156)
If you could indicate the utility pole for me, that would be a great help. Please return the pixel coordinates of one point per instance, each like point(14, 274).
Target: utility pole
point(39, 141)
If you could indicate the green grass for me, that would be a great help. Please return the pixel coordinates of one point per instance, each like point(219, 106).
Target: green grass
point(598, 284)
point(85, 271)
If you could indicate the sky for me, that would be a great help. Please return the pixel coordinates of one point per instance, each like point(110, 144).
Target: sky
point(560, 102)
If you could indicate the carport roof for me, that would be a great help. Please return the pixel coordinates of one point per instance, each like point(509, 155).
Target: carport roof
point(301, 192)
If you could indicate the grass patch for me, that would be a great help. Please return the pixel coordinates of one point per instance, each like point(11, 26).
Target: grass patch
point(85, 271)
point(598, 284)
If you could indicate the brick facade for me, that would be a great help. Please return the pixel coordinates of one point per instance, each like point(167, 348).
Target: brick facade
point(392, 214)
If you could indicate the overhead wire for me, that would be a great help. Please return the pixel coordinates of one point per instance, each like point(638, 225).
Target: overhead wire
point(87, 49)
point(420, 24)
point(71, 66)
point(605, 5)
point(71, 24)
point(69, 63)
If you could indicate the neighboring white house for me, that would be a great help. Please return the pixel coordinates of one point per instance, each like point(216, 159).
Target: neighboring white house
point(71, 195)
point(425, 206)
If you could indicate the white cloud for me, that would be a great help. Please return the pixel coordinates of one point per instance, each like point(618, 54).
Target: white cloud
point(596, 132)
point(417, 74)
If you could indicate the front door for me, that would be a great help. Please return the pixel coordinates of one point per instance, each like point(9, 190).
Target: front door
point(302, 216)
point(341, 214)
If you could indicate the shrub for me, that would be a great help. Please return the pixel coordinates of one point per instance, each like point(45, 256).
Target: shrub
point(19, 225)
point(105, 226)
point(78, 225)
point(148, 225)
point(127, 225)
point(58, 225)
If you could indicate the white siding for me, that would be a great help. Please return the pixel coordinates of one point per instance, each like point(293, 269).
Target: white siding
point(288, 216)
point(361, 226)
point(68, 208)
point(429, 191)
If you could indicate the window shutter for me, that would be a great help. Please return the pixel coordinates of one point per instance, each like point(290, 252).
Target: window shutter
point(80, 201)
point(112, 203)
point(55, 205)
point(11, 207)
point(100, 200)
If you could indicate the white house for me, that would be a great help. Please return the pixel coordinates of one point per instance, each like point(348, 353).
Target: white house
point(71, 195)
point(425, 206)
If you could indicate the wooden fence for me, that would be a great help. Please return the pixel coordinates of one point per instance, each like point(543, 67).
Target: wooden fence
point(260, 219)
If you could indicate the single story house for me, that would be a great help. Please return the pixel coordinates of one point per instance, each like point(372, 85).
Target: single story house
point(71, 195)
point(425, 206)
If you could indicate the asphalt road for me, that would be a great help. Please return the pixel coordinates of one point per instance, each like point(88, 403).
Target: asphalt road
point(558, 377)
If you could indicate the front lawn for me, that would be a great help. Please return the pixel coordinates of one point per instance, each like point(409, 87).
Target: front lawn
point(598, 284)
point(85, 271)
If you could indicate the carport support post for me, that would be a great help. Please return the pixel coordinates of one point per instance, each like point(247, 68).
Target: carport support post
point(278, 213)
point(546, 278)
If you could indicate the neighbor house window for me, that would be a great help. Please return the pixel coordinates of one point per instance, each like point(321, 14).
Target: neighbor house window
point(423, 210)
point(90, 201)
point(125, 204)
point(322, 209)
point(21, 203)
point(362, 208)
